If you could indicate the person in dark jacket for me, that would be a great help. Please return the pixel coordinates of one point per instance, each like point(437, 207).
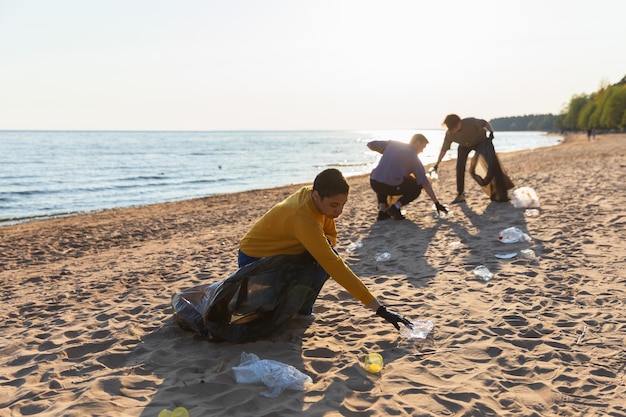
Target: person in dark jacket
point(469, 133)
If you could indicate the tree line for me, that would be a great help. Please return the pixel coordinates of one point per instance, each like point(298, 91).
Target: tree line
point(603, 110)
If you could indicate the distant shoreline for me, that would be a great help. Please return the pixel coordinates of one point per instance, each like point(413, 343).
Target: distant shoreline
point(11, 222)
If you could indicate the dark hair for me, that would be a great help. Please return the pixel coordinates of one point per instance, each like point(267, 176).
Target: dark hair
point(451, 120)
point(418, 137)
point(330, 182)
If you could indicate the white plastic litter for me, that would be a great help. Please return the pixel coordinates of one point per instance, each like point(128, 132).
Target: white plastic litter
point(382, 257)
point(275, 375)
point(513, 235)
point(532, 212)
point(354, 246)
point(482, 272)
point(506, 255)
point(525, 197)
point(455, 245)
point(418, 330)
point(441, 214)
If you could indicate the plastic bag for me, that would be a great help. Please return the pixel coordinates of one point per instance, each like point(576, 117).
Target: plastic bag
point(482, 272)
point(487, 171)
point(417, 330)
point(513, 235)
point(275, 375)
point(254, 301)
point(525, 197)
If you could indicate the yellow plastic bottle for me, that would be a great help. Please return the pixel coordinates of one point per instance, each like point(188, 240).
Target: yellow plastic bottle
point(373, 363)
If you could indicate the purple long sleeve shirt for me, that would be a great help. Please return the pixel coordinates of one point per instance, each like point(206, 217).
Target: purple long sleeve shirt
point(399, 161)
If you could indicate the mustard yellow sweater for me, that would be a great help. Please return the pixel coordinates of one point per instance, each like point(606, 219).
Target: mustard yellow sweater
point(294, 226)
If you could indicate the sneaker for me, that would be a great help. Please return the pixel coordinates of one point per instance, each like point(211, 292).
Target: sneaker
point(395, 213)
point(383, 215)
point(459, 199)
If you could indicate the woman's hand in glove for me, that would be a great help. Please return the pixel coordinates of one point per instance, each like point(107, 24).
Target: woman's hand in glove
point(391, 317)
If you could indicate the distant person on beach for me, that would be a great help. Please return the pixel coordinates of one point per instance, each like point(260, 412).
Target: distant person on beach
point(471, 135)
point(305, 223)
point(400, 173)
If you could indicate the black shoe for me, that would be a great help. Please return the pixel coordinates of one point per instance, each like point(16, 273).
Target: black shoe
point(383, 215)
point(459, 199)
point(395, 213)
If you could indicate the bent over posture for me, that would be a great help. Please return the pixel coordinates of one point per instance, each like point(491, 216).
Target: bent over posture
point(400, 173)
point(284, 260)
point(471, 135)
point(304, 222)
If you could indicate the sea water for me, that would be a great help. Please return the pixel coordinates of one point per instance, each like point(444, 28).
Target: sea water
point(55, 173)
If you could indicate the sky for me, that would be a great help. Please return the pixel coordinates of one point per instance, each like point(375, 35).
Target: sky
point(298, 65)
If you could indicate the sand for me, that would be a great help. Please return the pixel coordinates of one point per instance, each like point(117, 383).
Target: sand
point(86, 325)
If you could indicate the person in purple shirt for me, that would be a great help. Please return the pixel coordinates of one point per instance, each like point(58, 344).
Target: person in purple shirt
point(400, 173)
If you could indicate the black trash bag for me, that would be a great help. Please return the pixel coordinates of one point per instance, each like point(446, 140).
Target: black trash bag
point(254, 301)
point(487, 171)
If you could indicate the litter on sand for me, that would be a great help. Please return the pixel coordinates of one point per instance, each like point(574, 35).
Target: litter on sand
point(417, 330)
point(506, 255)
point(275, 375)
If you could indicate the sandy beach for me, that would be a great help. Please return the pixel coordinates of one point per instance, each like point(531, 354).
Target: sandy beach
point(87, 329)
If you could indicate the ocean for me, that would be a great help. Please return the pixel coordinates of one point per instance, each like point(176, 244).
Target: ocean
point(47, 174)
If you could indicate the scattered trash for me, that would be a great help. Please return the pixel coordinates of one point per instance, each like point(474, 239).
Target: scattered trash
point(373, 363)
point(383, 256)
point(275, 375)
point(417, 330)
point(354, 246)
point(440, 214)
point(527, 253)
point(455, 245)
point(483, 272)
point(513, 235)
point(525, 197)
point(580, 337)
point(177, 412)
point(532, 212)
point(432, 174)
point(506, 255)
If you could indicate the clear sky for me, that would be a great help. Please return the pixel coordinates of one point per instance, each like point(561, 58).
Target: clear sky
point(296, 64)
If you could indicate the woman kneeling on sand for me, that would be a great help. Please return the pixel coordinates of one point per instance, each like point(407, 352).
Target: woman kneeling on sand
point(284, 260)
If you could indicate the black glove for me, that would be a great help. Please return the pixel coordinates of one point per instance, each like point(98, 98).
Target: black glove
point(490, 135)
point(392, 318)
point(440, 207)
point(434, 168)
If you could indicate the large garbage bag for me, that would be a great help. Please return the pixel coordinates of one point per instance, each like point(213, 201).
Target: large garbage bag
point(487, 171)
point(254, 301)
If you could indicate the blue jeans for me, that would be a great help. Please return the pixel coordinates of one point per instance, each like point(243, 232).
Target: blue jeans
point(243, 259)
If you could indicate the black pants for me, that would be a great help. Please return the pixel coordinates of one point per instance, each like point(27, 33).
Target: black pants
point(408, 190)
point(461, 162)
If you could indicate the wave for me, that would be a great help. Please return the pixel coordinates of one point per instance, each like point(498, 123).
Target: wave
point(349, 164)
